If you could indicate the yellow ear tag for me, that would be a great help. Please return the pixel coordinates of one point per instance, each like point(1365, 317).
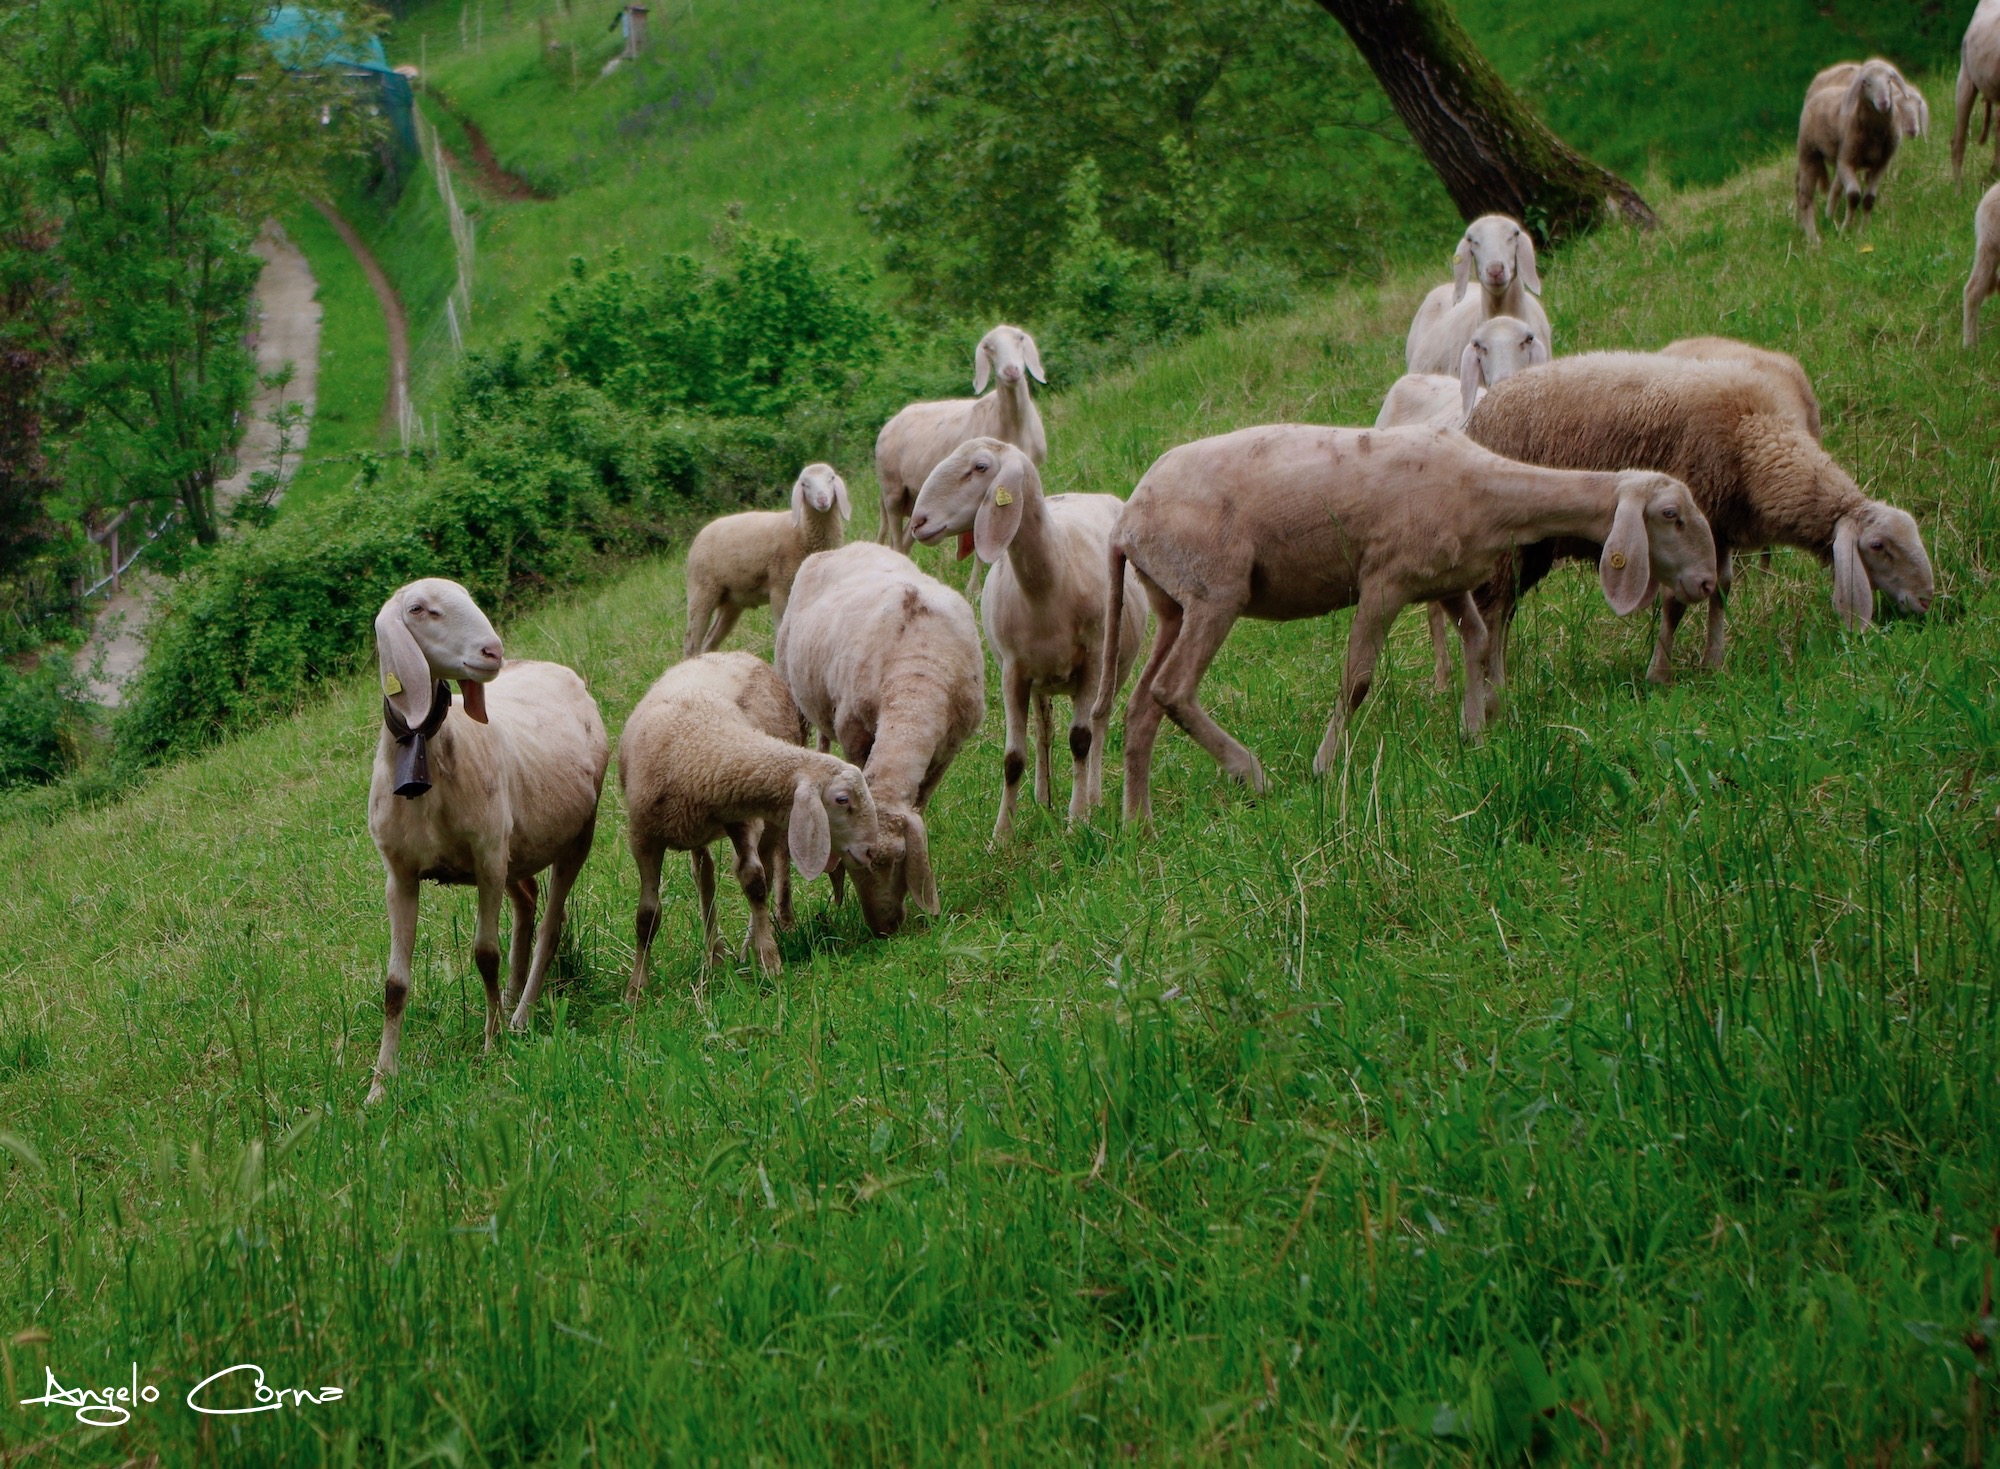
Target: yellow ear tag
point(1617, 560)
point(391, 684)
point(1002, 497)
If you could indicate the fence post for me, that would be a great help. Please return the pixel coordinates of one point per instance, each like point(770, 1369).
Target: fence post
point(635, 31)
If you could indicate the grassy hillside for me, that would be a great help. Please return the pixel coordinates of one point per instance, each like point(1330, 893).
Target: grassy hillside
point(353, 360)
point(1623, 1084)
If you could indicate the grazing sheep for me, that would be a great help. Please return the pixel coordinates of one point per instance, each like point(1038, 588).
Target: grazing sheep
point(746, 560)
point(1725, 430)
point(1786, 373)
point(1851, 125)
point(1978, 80)
point(1985, 276)
point(491, 797)
point(1044, 607)
point(1500, 255)
point(916, 441)
point(716, 748)
point(886, 660)
point(1289, 521)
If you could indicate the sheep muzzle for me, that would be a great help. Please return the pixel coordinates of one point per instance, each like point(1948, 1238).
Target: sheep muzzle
point(413, 766)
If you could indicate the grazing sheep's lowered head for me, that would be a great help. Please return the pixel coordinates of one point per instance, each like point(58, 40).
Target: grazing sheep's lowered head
point(430, 630)
point(1501, 347)
point(1878, 548)
point(1005, 352)
point(976, 489)
point(819, 488)
point(1494, 249)
point(833, 820)
point(1659, 540)
point(898, 868)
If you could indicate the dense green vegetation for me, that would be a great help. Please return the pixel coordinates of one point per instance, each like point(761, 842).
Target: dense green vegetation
point(1621, 1086)
point(353, 361)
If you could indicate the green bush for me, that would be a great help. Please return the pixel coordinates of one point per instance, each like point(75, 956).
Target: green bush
point(39, 705)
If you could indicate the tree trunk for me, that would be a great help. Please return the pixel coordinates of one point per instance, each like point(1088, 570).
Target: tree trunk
point(1493, 154)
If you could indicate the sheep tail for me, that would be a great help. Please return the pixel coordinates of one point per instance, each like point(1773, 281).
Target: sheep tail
point(1114, 619)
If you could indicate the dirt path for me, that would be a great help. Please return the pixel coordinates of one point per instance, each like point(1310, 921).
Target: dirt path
point(397, 391)
point(288, 320)
point(491, 174)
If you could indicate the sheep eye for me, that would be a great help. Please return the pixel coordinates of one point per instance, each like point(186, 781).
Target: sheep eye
point(1878, 546)
point(1670, 514)
point(840, 799)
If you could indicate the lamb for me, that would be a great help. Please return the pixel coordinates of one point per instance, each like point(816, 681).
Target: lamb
point(1733, 437)
point(1852, 123)
point(1291, 521)
point(1978, 79)
point(746, 560)
point(886, 660)
point(493, 797)
point(1787, 375)
point(716, 748)
point(918, 439)
point(1985, 276)
point(1500, 254)
point(1044, 607)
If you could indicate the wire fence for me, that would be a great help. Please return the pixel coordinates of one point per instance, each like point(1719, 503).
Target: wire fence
point(434, 354)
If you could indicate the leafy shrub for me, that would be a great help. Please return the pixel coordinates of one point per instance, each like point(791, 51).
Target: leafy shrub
point(39, 704)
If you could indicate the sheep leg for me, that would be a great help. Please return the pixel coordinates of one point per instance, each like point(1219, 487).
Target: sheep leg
point(1966, 98)
point(1143, 710)
point(1849, 189)
point(486, 949)
point(1472, 642)
point(725, 623)
point(1014, 703)
point(750, 876)
point(780, 595)
point(1985, 273)
point(1177, 689)
point(1661, 671)
point(775, 853)
point(646, 922)
point(704, 886)
point(1372, 616)
point(1812, 178)
point(1044, 741)
point(562, 877)
point(523, 895)
point(402, 903)
point(702, 603)
point(1441, 621)
point(1711, 657)
point(1086, 751)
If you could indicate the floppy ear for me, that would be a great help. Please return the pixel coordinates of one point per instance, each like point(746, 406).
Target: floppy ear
point(1524, 263)
point(917, 866)
point(1625, 569)
point(982, 366)
point(1538, 352)
point(1853, 595)
point(799, 503)
point(1461, 269)
point(809, 835)
point(1471, 377)
point(1034, 358)
point(999, 514)
point(406, 673)
point(840, 498)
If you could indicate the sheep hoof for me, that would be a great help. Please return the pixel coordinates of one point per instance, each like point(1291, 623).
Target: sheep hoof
point(375, 1093)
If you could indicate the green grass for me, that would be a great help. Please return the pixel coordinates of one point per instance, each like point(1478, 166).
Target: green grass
point(1631, 1072)
point(353, 360)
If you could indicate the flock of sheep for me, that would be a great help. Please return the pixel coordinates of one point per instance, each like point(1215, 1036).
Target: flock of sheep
point(1490, 461)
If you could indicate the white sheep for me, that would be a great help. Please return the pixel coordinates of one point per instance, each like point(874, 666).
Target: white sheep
point(1978, 80)
point(749, 559)
point(716, 748)
point(1044, 606)
point(886, 660)
point(1855, 116)
point(1735, 439)
point(916, 440)
point(1985, 276)
point(1290, 521)
point(1499, 254)
point(491, 791)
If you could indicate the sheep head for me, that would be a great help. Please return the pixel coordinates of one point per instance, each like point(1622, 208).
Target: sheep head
point(819, 488)
point(1879, 85)
point(1501, 347)
point(1494, 249)
point(428, 631)
point(1659, 538)
point(833, 819)
point(1878, 548)
point(976, 492)
point(898, 868)
point(1005, 352)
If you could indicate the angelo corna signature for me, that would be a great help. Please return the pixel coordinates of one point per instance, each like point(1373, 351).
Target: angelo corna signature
point(111, 1407)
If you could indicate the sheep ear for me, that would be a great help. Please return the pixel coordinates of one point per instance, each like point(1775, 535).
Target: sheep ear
point(1538, 352)
point(1524, 263)
point(809, 835)
point(917, 866)
point(999, 515)
point(840, 498)
point(982, 366)
point(1625, 569)
point(1034, 358)
point(1470, 377)
point(799, 503)
point(1461, 270)
point(406, 673)
point(1853, 595)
